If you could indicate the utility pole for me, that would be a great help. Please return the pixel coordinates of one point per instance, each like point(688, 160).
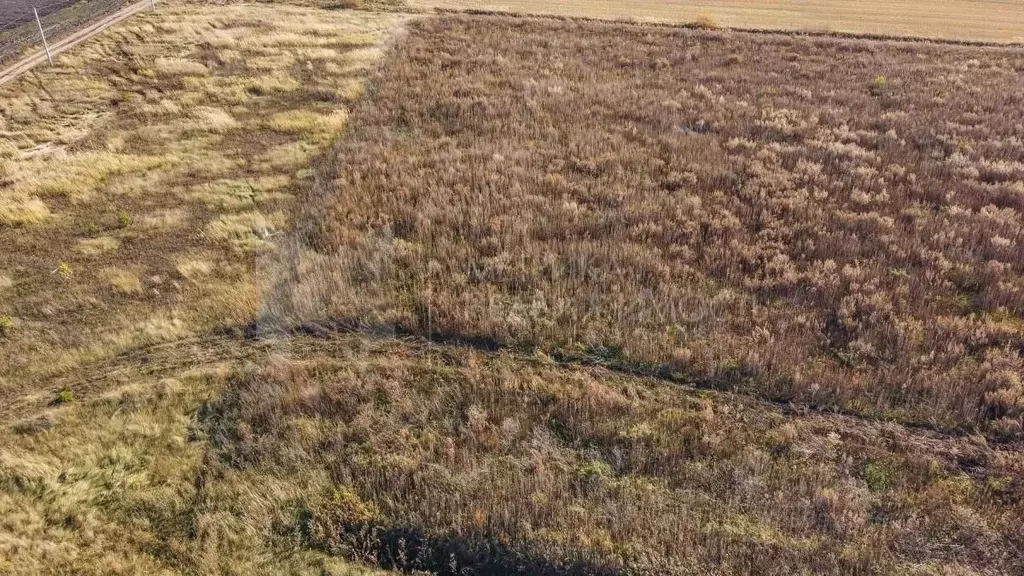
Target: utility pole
point(45, 45)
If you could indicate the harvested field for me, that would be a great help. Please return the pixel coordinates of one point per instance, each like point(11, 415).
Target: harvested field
point(823, 221)
point(971, 20)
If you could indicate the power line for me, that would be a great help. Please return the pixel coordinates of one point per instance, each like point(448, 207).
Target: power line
point(18, 30)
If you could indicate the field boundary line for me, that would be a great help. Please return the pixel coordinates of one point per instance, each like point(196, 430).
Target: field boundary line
point(767, 31)
point(33, 60)
point(311, 337)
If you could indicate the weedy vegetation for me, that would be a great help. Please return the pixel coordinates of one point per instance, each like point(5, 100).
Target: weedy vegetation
point(315, 290)
point(455, 461)
point(790, 224)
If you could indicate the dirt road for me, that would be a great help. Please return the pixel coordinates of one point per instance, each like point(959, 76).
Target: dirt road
point(85, 33)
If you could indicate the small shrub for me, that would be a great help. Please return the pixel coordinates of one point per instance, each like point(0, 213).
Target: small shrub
point(878, 476)
point(64, 271)
point(124, 220)
point(64, 396)
point(878, 85)
point(591, 475)
point(594, 470)
point(7, 326)
point(326, 524)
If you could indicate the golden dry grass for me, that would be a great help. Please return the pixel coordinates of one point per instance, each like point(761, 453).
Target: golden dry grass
point(112, 484)
point(131, 205)
point(307, 453)
point(977, 20)
point(20, 210)
point(639, 199)
point(153, 142)
point(122, 281)
point(97, 246)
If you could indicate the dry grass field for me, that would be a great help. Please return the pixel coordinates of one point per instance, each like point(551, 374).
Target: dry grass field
point(973, 20)
point(147, 174)
point(830, 222)
point(453, 461)
point(311, 290)
point(143, 180)
point(333, 455)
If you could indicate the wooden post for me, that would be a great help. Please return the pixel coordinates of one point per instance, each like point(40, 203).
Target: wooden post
point(45, 45)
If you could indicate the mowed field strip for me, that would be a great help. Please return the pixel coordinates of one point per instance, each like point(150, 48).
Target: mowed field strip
point(976, 20)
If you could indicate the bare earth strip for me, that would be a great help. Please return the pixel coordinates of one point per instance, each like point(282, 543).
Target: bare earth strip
point(977, 20)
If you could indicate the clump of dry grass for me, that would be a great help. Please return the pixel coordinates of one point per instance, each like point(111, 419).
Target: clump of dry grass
point(95, 246)
point(210, 119)
point(246, 230)
point(180, 67)
point(122, 281)
point(193, 269)
point(20, 211)
point(77, 177)
point(236, 194)
point(620, 196)
point(309, 122)
point(163, 219)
